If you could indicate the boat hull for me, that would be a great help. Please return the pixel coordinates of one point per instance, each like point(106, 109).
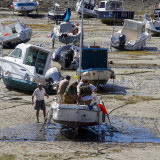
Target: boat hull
point(76, 115)
point(56, 17)
point(19, 84)
point(66, 38)
point(114, 16)
point(26, 7)
point(97, 76)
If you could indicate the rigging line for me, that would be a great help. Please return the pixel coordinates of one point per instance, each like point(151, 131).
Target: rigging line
point(118, 108)
point(13, 106)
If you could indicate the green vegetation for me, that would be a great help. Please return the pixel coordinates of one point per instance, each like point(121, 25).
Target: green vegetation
point(7, 157)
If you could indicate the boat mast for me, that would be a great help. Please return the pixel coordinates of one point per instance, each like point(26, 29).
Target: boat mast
point(81, 44)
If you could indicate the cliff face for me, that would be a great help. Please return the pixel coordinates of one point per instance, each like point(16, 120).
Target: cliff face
point(140, 6)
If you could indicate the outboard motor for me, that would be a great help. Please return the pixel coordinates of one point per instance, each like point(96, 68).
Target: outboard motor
point(122, 40)
point(52, 77)
point(68, 58)
point(64, 36)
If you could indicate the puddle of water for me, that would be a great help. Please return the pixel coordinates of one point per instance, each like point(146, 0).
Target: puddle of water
point(138, 93)
point(123, 132)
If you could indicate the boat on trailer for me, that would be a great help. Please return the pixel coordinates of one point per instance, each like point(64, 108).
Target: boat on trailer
point(13, 34)
point(25, 6)
point(112, 11)
point(26, 66)
point(131, 37)
point(89, 8)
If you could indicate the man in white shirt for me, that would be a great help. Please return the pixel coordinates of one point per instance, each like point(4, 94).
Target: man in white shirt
point(40, 104)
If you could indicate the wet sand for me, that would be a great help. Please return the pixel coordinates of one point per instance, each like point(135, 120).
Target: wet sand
point(132, 102)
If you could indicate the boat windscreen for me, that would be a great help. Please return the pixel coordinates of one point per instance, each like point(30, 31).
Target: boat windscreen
point(131, 26)
point(17, 27)
point(37, 58)
point(17, 53)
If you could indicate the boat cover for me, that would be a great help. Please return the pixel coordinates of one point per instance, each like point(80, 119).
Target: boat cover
point(94, 58)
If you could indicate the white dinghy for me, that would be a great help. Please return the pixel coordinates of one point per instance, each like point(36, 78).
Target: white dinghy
point(131, 37)
point(15, 33)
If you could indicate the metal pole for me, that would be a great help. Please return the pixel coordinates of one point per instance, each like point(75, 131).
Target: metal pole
point(81, 44)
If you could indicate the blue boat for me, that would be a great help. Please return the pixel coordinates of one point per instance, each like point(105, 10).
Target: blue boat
point(112, 11)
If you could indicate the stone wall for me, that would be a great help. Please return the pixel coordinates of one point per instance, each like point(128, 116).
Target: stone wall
point(140, 6)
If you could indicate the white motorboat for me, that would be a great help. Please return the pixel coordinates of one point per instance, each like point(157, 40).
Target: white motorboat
point(15, 33)
point(95, 67)
point(25, 6)
point(67, 32)
point(89, 8)
point(28, 65)
point(131, 37)
point(112, 11)
point(76, 115)
point(67, 56)
point(153, 22)
point(57, 13)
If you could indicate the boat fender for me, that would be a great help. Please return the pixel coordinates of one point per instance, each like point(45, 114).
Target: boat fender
point(75, 31)
point(77, 24)
point(151, 16)
point(103, 108)
point(85, 73)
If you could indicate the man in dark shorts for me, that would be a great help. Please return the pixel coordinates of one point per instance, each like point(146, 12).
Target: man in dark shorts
point(40, 103)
